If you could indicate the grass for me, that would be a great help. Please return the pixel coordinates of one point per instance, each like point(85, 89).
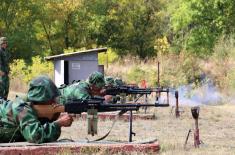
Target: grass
point(216, 130)
point(216, 125)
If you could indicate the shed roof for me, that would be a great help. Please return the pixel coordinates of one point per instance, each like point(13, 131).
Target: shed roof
point(99, 50)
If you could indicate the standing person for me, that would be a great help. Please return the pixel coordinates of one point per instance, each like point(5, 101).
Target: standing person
point(4, 69)
point(19, 120)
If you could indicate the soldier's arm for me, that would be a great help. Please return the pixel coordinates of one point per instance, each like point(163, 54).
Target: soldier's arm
point(82, 93)
point(33, 131)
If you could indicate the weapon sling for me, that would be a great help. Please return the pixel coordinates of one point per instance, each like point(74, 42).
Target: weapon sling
point(48, 111)
point(106, 135)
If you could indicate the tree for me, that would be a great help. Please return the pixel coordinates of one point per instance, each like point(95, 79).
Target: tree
point(130, 27)
point(198, 24)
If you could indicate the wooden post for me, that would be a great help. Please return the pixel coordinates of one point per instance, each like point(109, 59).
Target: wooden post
point(195, 114)
point(177, 114)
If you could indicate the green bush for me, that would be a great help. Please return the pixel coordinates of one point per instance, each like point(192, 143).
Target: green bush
point(102, 57)
point(24, 72)
point(135, 75)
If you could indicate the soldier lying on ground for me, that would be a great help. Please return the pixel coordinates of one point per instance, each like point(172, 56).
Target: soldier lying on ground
point(19, 121)
point(109, 83)
point(83, 90)
point(118, 82)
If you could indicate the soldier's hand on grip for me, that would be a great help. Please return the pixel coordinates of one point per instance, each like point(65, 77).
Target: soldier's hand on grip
point(65, 120)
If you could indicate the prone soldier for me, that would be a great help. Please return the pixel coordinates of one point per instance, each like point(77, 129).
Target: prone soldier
point(83, 90)
point(19, 120)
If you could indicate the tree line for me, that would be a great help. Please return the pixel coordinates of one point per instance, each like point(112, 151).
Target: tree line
point(49, 27)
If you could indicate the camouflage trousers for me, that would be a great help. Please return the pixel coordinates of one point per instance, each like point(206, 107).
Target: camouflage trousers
point(10, 135)
point(4, 86)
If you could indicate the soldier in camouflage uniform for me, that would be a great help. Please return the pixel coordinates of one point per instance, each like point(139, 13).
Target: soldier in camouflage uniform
point(109, 81)
point(118, 82)
point(83, 90)
point(4, 68)
point(19, 121)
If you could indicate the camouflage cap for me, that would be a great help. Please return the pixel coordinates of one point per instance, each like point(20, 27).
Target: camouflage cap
point(42, 89)
point(109, 81)
point(118, 82)
point(3, 40)
point(97, 79)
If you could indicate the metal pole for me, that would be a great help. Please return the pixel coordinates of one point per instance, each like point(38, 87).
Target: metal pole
point(167, 96)
point(158, 74)
point(186, 140)
point(158, 81)
point(177, 113)
point(130, 127)
point(146, 102)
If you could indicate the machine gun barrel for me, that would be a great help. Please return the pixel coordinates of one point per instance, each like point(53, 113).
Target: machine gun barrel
point(78, 107)
point(131, 90)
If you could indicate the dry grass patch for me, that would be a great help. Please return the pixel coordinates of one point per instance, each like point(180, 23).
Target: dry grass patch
point(216, 125)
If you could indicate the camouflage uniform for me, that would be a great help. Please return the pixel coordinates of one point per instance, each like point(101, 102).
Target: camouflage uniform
point(19, 121)
point(109, 81)
point(4, 70)
point(118, 82)
point(82, 90)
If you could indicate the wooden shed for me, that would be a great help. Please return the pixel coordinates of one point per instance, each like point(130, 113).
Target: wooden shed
point(75, 66)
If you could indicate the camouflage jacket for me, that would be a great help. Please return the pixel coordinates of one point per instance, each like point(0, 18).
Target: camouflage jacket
point(79, 90)
point(19, 122)
point(4, 61)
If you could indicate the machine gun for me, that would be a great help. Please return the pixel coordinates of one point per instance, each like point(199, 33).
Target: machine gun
point(123, 91)
point(92, 107)
point(133, 90)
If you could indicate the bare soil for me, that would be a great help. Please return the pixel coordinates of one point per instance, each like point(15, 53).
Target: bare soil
point(216, 124)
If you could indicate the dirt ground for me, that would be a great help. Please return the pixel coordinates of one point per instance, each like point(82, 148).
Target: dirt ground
point(216, 124)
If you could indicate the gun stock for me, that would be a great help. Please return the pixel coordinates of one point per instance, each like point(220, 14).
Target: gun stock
point(48, 111)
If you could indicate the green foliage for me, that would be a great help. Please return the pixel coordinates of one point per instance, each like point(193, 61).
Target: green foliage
point(20, 70)
point(102, 57)
point(128, 27)
point(223, 62)
point(138, 73)
point(135, 75)
point(198, 24)
point(131, 27)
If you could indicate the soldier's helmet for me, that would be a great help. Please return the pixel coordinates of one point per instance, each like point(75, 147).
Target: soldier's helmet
point(42, 89)
point(118, 82)
point(97, 79)
point(109, 81)
point(3, 40)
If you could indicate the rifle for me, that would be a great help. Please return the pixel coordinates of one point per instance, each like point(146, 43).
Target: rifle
point(125, 90)
point(92, 107)
point(133, 90)
point(79, 106)
point(129, 90)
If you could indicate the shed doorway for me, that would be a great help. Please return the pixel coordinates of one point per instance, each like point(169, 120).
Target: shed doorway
point(66, 72)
